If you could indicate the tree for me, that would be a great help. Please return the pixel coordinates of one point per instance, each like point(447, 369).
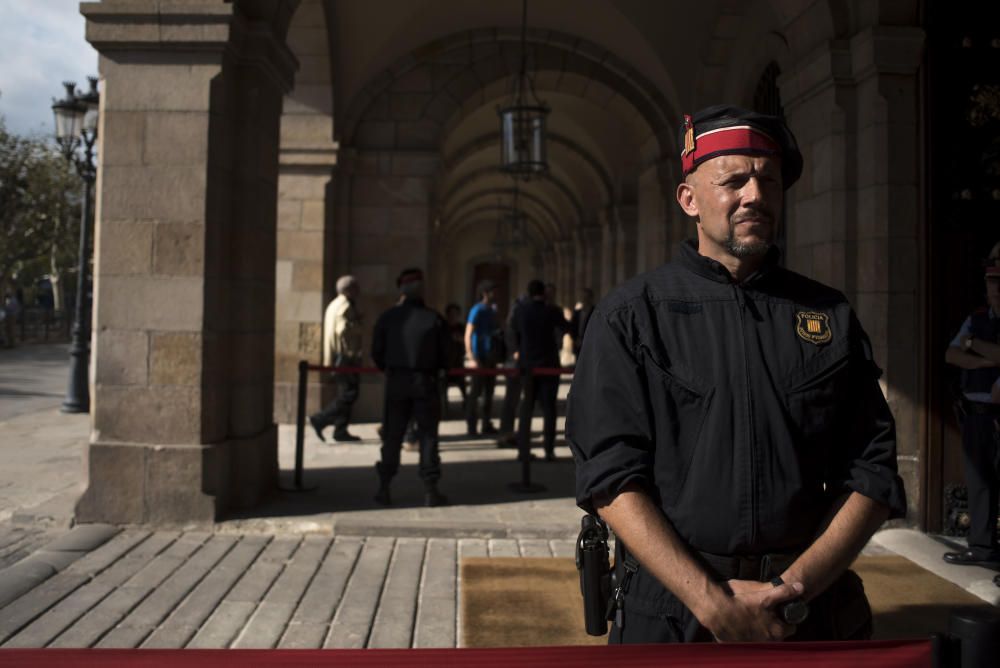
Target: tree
point(39, 211)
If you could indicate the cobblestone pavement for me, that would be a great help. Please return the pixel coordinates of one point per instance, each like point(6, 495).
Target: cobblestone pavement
point(202, 590)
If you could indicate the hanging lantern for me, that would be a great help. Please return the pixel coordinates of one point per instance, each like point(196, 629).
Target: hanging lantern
point(522, 122)
point(510, 230)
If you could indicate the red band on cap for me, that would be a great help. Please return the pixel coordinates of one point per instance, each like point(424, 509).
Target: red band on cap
point(728, 140)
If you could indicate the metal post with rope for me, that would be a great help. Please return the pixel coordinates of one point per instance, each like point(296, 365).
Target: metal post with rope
point(523, 486)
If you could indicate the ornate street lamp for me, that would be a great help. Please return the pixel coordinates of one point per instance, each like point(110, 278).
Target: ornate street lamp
point(522, 121)
point(76, 127)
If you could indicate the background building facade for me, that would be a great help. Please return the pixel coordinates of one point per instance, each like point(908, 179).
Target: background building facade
point(253, 151)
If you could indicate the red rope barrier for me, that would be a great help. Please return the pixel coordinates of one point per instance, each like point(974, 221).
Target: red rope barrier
point(884, 654)
point(457, 371)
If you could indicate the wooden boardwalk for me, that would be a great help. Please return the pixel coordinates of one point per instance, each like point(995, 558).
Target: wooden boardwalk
point(172, 590)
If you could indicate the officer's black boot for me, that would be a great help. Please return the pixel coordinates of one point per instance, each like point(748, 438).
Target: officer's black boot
point(382, 495)
point(432, 497)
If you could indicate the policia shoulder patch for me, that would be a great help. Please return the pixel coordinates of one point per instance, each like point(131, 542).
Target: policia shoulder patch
point(813, 327)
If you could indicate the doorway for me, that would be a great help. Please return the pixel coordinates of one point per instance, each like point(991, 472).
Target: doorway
point(963, 168)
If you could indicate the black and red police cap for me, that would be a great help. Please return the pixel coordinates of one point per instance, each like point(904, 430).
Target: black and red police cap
point(727, 130)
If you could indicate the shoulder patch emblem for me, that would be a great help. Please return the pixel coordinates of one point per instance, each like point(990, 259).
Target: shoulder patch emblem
point(813, 327)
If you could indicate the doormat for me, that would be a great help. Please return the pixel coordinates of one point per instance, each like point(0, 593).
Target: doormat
point(521, 602)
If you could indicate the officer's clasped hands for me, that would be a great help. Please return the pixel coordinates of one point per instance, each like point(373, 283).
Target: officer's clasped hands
point(749, 614)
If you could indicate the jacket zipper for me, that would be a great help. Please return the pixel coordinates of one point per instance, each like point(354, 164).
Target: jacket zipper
point(751, 441)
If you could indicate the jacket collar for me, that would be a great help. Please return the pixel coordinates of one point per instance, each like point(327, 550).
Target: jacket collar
point(706, 267)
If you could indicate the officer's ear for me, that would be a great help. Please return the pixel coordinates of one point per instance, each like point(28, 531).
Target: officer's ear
point(686, 198)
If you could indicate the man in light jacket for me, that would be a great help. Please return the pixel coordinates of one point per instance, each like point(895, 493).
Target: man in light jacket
point(342, 347)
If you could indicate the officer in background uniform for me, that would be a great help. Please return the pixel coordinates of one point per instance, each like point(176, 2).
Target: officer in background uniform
point(975, 350)
point(726, 416)
point(536, 329)
point(411, 346)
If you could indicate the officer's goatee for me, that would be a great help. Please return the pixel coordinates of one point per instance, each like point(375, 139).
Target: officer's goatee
point(744, 249)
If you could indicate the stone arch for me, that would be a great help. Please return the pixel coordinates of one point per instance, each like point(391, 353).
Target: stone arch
point(491, 140)
point(485, 172)
point(492, 54)
point(551, 218)
point(482, 216)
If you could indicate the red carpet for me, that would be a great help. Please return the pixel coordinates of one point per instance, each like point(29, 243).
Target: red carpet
point(881, 654)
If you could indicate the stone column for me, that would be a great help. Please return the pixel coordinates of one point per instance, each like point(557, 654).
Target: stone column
point(626, 223)
point(608, 243)
point(567, 272)
point(303, 214)
point(854, 218)
point(887, 262)
point(588, 239)
point(184, 260)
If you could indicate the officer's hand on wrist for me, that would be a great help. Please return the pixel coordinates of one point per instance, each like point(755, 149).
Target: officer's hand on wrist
point(748, 612)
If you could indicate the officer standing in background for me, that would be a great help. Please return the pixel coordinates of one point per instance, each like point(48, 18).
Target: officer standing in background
point(976, 350)
point(411, 346)
point(342, 346)
point(537, 327)
point(726, 416)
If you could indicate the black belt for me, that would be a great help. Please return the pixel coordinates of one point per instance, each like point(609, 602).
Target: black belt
point(760, 567)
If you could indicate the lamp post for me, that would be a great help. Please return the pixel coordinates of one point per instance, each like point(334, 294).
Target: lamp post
point(76, 127)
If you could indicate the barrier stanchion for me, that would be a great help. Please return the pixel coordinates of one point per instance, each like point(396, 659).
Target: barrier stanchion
point(524, 485)
point(300, 436)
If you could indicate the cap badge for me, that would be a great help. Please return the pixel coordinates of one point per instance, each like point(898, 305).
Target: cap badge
point(688, 136)
point(813, 327)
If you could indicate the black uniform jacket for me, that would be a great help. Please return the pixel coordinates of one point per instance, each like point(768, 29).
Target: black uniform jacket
point(537, 327)
point(742, 409)
point(411, 337)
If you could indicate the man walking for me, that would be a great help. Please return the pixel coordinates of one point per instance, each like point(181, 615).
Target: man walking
point(342, 347)
point(538, 325)
point(727, 419)
point(481, 330)
point(410, 345)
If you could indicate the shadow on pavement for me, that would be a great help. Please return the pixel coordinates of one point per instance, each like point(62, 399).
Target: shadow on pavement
point(466, 483)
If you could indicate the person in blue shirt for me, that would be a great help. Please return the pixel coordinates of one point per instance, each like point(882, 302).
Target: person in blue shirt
point(481, 330)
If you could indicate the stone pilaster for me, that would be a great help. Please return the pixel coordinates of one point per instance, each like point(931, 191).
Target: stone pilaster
point(184, 260)
point(566, 281)
point(855, 217)
point(588, 244)
point(608, 245)
point(626, 224)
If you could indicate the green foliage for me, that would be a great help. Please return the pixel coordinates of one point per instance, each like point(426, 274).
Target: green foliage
point(39, 210)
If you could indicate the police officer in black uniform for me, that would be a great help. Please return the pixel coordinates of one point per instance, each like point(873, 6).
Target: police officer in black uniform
point(411, 345)
point(537, 328)
point(976, 351)
point(726, 416)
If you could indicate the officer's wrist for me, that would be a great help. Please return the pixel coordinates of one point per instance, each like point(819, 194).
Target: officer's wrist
point(710, 608)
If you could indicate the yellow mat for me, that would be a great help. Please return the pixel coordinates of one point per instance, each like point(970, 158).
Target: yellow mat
point(515, 602)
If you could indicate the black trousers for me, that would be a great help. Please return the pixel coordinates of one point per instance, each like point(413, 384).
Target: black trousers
point(654, 615)
point(338, 411)
point(479, 402)
point(543, 389)
point(511, 402)
point(411, 396)
point(979, 450)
